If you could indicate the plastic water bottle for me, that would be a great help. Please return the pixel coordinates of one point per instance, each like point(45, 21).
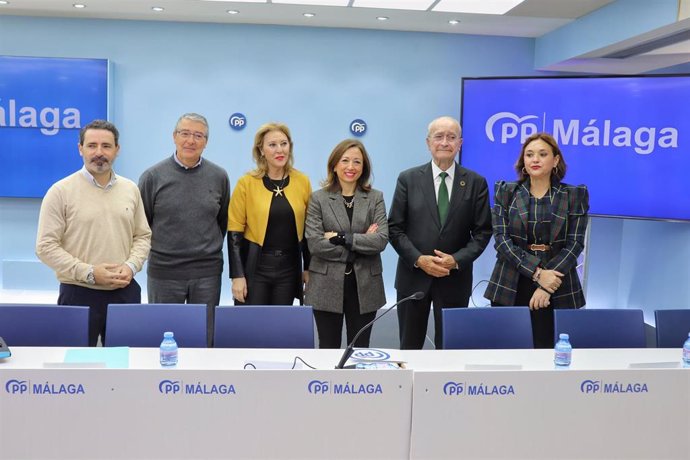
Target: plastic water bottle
point(563, 351)
point(686, 352)
point(168, 350)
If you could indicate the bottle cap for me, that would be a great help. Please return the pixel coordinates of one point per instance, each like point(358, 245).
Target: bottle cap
point(168, 335)
point(563, 336)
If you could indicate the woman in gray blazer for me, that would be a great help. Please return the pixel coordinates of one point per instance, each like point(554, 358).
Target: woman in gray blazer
point(346, 231)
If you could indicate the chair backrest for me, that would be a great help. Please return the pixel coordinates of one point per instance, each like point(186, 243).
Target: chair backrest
point(264, 326)
point(601, 328)
point(672, 327)
point(143, 325)
point(44, 325)
point(487, 328)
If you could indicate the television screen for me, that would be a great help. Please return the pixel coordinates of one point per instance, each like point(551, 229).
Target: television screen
point(626, 138)
point(43, 104)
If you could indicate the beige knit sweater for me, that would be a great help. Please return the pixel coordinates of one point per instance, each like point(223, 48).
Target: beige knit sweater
point(81, 225)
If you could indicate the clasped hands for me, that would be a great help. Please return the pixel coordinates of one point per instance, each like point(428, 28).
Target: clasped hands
point(438, 265)
point(549, 281)
point(113, 275)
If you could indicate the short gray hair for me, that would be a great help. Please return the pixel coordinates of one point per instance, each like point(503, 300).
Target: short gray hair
point(446, 118)
point(191, 116)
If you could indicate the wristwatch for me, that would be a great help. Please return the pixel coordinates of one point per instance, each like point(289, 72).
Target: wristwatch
point(90, 278)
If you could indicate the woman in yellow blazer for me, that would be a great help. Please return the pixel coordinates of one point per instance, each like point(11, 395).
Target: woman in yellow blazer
point(266, 224)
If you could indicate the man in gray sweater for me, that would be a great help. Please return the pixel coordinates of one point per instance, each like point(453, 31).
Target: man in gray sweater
point(186, 203)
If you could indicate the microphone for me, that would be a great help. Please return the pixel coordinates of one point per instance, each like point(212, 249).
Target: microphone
point(351, 347)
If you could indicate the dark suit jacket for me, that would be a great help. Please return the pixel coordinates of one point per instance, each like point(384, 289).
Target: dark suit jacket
point(567, 237)
point(326, 213)
point(415, 230)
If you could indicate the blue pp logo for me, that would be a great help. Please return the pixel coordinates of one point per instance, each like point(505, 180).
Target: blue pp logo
point(318, 387)
point(371, 354)
point(169, 386)
point(590, 386)
point(453, 389)
point(358, 127)
point(16, 386)
point(237, 121)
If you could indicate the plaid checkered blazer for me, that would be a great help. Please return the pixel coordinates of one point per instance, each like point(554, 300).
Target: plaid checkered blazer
point(569, 207)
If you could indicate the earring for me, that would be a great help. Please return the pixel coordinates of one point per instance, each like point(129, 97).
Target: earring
point(524, 171)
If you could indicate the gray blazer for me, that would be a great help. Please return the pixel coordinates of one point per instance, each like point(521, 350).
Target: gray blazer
point(326, 213)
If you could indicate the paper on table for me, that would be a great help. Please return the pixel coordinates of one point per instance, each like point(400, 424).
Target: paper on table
point(113, 357)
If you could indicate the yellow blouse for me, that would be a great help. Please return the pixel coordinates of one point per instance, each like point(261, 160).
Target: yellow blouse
point(251, 202)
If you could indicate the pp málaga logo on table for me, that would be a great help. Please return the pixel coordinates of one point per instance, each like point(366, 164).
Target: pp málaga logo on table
point(467, 389)
point(599, 386)
point(174, 387)
point(20, 387)
point(324, 387)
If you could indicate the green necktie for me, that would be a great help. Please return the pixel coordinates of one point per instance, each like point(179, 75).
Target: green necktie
point(443, 201)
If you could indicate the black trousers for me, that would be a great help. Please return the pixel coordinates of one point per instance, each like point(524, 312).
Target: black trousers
point(273, 282)
point(329, 325)
point(413, 317)
point(97, 300)
point(542, 319)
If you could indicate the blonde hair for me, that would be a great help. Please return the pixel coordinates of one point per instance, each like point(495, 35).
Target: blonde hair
point(261, 164)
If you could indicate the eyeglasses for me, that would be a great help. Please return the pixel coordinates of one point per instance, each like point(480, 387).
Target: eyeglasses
point(441, 137)
point(187, 134)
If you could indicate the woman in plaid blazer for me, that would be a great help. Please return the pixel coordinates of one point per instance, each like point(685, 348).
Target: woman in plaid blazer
point(539, 226)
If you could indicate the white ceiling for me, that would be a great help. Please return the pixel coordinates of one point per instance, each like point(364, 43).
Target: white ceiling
point(531, 18)
point(656, 49)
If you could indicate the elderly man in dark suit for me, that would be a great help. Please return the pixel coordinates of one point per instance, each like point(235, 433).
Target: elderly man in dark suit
point(439, 223)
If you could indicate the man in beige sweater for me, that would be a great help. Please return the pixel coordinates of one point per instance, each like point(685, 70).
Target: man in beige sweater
point(92, 230)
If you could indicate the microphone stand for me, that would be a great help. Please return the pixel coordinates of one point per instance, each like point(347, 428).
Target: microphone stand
point(351, 346)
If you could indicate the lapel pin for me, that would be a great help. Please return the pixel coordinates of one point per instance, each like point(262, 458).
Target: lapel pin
point(462, 183)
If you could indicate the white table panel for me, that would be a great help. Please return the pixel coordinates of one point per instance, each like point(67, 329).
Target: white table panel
point(564, 414)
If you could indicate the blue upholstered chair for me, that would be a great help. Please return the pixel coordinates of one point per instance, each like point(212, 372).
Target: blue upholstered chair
point(262, 326)
point(487, 328)
point(672, 327)
point(601, 328)
point(143, 325)
point(44, 325)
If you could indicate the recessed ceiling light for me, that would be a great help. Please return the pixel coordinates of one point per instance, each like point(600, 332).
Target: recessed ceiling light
point(4, 2)
point(157, 9)
point(233, 12)
point(308, 15)
point(453, 22)
point(79, 5)
point(382, 18)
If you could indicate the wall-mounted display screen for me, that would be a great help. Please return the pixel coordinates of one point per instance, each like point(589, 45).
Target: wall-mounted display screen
point(626, 138)
point(43, 104)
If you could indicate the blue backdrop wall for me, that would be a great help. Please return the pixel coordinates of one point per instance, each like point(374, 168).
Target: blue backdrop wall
point(316, 81)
